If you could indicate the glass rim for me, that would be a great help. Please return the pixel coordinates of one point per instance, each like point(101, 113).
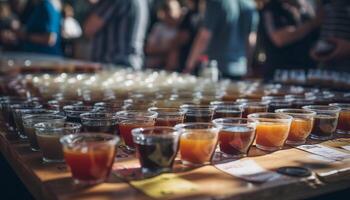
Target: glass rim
point(72, 108)
point(220, 121)
point(342, 106)
point(296, 112)
point(224, 103)
point(72, 126)
point(183, 126)
point(125, 114)
point(38, 111)
point(139, 132)
point(70, 139)
point(263, 116)
point(195, 107)
point(88, 116)
point(322, 108)
point(164, 111)
point(43, 116)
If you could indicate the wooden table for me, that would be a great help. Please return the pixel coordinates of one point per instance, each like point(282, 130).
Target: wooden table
point(53, 181)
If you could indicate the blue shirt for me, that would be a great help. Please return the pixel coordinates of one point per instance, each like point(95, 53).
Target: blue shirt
point(45, 18)
point(230, 22)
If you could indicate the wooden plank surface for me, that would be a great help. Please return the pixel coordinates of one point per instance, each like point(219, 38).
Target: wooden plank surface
point(53, 181)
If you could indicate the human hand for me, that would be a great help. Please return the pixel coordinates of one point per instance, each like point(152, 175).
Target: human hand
point(8, 37)
point(341, 50)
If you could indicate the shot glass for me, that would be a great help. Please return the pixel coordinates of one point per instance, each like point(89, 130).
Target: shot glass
point(168, 117)
point(15, 117)
point(325, 121)
point(343, 126)
point(236, 136)
point(30, 120)
point(197, 142)
point(231, 110)
point(48, 136)
point(301, 126)
point(156, 148)
point(73, 112)
point(197, 113)
point(99, 122)
point(254, 107)
point(128, 120)
point(89, 156)
point(110, 106)
point(272, 130)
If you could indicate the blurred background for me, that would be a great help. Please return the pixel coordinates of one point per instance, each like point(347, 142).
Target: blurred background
point(279, 40)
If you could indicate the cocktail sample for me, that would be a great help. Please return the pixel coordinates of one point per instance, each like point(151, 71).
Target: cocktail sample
point(343, 126)
point(99, 122)
point(197, 113)
point(89, 156)
point(272, 130)
point(301, 127)
point(168, 116)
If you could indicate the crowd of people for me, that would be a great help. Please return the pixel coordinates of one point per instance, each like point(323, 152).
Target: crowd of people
point(243, 36)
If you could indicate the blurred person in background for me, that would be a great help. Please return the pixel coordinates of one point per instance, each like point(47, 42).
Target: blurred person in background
point(288, 32)
point(163, 32)
point(226, 36)
point(333, 48)
point(8, 24)
point(117, 29)
point(41, 32)
point(188, 28)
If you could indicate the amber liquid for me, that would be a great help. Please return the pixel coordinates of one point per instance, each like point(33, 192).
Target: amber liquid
point(300, 129)
point(30, 132)
point(197, 147)
point(227, 113)
point(51, 147)
point(344, 122)
point(324, 127)
point(109, 129)
point(236, 140)
point(271, 136)
point(93, 165)
point(170, 122)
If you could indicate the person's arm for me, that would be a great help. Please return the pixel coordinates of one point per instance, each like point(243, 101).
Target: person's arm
point(48, 39)
point(341, 51)
point(211, 20)
point(289, 34)
point(97, 19)
point(200, 45)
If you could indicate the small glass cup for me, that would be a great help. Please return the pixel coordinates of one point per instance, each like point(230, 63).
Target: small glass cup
point(128, 120)
point(325, 121)
point(59, 104)
point(110, 106)
point(272, 130)
point(197, 142)
point(276, 104)
point(30, 120)
point(156, 148)
point(168, 116)
point(227, 111)
point(254, 107)
point(89, 156)
point(236, 136)
point(343, 126)
point(197, 113)
point(99, 122)
point(73, 112)
point(16, 118)
point(48, 135)
point(301, 126)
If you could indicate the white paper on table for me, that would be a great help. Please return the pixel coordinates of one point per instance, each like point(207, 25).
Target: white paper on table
point(347, 147)
point(325, 152)
point(248, 170)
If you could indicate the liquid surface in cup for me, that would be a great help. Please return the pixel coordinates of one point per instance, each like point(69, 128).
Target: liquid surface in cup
point(170, 121)
point(157, 154)
point(197, 147)
point(344, 121)
point(253, 109)
point(126, 127)
point(324, 126)
point(197, 118)
point(50, 147)
point(89, 164)
point(227, 113)
point(236, 140)
point(94, 128)
point(300, 129)
point(271, 134)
